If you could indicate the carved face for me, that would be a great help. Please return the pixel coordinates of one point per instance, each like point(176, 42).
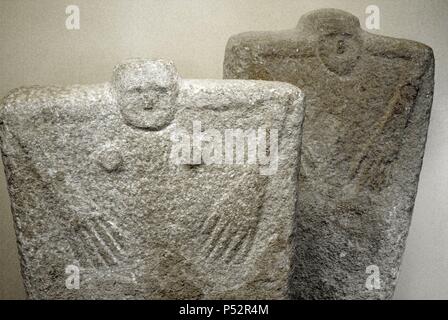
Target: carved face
point(339, 51)
point(150, 108)
point(146, 93)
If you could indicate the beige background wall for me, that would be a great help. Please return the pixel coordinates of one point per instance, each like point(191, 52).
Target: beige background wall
point(36, 48)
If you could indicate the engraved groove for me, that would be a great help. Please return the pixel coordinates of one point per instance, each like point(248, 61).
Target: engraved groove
point(93, 249)
point(115, 242)
point(233, 253)
point(215, 252)
point(102, 246)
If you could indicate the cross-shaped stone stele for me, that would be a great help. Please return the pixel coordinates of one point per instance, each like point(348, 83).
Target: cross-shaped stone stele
point(368, 104)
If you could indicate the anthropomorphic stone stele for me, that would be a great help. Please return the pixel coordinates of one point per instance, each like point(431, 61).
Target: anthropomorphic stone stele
point(102, 182)
point(368, 106)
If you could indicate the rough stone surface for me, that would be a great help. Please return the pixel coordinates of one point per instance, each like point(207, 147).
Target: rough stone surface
point(368, 103)
point(92, 185)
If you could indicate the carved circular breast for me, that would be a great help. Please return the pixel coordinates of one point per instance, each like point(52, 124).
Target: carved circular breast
point(110, 160)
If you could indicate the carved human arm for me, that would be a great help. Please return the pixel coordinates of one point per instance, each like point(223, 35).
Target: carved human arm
point(384, 144)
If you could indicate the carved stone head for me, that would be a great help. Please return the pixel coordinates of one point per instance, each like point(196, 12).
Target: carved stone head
point(146, 91)
point(338, 36)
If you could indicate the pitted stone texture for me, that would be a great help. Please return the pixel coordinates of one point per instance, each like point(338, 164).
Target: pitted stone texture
point(368, 105)
point(92, 184)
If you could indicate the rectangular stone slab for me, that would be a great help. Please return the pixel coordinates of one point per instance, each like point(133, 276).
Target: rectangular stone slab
point(94, 186)
point(368, 106)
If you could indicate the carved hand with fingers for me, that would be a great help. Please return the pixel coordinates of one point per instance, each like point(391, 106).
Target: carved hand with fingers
point(231, 227)
point(98, 242)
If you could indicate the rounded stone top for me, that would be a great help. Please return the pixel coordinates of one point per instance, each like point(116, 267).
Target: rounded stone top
point(328, 21)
